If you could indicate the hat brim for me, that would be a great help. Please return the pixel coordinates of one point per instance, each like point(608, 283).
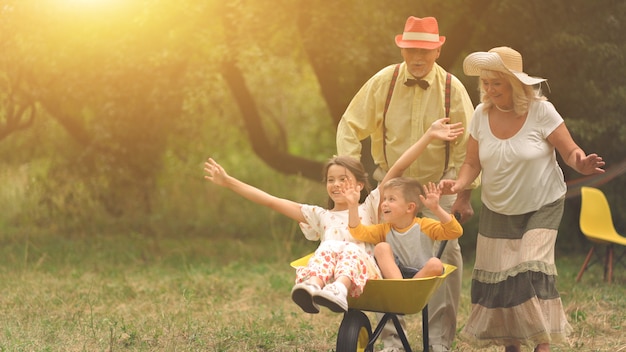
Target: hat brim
point(476, 62)
point(419, 44)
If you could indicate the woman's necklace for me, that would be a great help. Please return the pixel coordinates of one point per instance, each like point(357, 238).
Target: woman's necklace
point(503, 110)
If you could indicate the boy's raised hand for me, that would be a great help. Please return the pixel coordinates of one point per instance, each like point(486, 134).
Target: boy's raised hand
point(431, 196)
point(352, 192)
point(441, 129)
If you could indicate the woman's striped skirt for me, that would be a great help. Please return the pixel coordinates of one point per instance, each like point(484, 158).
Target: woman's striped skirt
point(514, 296)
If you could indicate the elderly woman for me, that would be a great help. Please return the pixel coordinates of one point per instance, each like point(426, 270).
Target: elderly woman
point(513, 137)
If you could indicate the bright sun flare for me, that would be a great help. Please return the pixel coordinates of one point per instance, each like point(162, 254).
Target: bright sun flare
point(86, 2)
point(90, 3)
point(77, 6)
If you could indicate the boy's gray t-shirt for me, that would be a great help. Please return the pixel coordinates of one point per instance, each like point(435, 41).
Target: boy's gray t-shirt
point(413, 248)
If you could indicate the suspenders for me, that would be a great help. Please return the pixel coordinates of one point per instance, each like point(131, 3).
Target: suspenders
point(447, 106)
point(390, 93)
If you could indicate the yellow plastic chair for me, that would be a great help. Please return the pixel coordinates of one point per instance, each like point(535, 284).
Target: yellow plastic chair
point(597, 225)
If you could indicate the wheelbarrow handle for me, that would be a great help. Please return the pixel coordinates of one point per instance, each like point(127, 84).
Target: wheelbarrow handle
point(443, 244)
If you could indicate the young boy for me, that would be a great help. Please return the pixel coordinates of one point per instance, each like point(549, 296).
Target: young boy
point(399, 239)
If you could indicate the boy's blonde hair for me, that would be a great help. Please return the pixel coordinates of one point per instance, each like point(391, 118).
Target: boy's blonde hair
point(410, 188)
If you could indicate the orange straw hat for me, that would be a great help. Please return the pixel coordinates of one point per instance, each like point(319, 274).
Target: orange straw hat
point(420, 33)
point(502, 59)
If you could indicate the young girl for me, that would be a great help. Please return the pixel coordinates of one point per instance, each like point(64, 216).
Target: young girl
point(341, 264)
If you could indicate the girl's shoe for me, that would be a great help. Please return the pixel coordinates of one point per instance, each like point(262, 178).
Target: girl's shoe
point(302, 295)
point(332, 296)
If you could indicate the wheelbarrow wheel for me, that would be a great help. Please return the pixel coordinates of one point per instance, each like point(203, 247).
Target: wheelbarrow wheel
point(354, 333)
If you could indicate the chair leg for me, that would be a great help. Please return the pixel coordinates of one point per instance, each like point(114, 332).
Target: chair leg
point(584, 267)
point(610, 262)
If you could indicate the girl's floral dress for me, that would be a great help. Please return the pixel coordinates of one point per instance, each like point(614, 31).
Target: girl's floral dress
point(339, 254)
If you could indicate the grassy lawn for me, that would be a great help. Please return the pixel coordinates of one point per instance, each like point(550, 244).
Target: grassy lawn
point(134, 293)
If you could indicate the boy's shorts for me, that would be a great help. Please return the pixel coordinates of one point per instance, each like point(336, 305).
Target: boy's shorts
point(407, 271)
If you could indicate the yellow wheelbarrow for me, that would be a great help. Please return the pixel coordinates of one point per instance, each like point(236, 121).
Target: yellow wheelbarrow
point(390, 297)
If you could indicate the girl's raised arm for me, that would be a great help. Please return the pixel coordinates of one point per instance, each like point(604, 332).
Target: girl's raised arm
point(440, 129)
point(216, 174)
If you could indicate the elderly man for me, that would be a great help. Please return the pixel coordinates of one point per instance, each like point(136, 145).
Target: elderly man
point(394, 108)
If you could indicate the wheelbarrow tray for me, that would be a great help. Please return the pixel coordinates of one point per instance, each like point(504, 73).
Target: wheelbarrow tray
point(398, 296)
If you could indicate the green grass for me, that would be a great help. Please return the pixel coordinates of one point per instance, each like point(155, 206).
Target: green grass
point(137, 293)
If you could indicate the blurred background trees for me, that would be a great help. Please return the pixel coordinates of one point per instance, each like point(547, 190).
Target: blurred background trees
point(108, 108)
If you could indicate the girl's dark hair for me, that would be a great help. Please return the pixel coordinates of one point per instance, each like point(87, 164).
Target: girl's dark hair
point(356, 168)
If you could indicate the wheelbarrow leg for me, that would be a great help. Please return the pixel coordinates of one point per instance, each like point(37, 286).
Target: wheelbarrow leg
point(379, 329)
point(401, 334)
point(396, 323)
point(425, 336)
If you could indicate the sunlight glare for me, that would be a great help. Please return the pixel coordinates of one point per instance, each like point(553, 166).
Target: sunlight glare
point(89, 4)
point(88, 7)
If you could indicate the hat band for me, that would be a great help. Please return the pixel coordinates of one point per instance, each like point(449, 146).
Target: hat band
point(421, 36)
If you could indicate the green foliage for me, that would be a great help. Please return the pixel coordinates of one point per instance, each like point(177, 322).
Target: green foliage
point(114, 106)
point(129, 99)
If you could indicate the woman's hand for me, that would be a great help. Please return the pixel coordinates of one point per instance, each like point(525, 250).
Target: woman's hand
point(590, 164)
point(448, 187)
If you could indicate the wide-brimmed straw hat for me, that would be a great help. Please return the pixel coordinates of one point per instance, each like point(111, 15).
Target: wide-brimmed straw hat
point(420, 33)
point(502, 59)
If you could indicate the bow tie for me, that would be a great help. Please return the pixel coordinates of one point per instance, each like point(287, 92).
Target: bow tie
point(420, 82)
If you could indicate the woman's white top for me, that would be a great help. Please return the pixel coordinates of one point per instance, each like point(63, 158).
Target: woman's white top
point(519, 174)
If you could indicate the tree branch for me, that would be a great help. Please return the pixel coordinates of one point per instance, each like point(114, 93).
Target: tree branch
point(260, 141)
